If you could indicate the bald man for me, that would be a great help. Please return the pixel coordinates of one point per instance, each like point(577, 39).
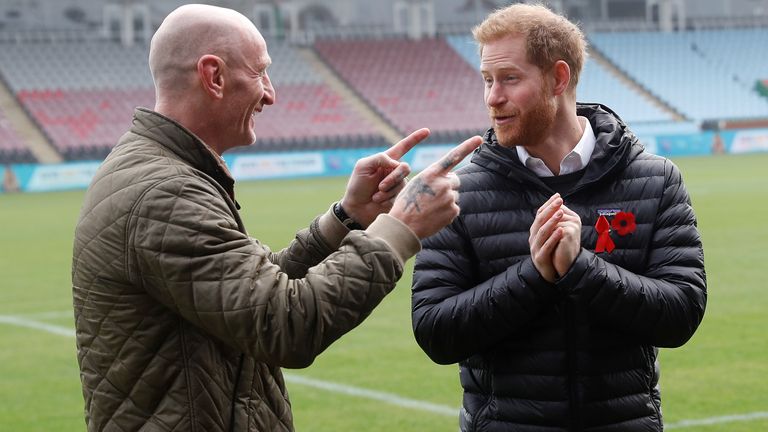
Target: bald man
point(183, 320)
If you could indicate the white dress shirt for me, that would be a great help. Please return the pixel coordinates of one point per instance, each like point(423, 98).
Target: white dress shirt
point(577, 159)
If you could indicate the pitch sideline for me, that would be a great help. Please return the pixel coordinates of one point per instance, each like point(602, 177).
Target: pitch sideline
point(388, 398)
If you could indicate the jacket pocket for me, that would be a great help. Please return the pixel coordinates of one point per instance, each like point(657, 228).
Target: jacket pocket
point(465, 420)
point(479, 415)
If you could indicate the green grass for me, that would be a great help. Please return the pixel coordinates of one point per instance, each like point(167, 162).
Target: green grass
point(721, 371)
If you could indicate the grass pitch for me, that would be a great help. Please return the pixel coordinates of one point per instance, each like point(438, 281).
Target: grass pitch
point(721, 372)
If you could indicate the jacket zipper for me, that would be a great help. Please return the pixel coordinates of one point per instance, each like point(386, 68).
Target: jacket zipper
point(573, 397)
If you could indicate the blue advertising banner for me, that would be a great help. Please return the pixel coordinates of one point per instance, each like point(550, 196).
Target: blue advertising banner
point(679, 145)
point(325, 163)
point(746, 141)
point(54, 177)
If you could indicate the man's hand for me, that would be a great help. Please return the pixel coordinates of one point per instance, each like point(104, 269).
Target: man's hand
point(545, 234)
point(429, 201)
point(570, 243)
point(377, 179)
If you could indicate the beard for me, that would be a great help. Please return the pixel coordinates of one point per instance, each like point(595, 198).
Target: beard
point(530, 128)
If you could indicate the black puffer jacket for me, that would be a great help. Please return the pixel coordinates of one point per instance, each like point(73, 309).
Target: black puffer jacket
point(580, 354)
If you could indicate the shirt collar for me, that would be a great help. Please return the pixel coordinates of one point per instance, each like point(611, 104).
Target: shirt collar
point(577, 159)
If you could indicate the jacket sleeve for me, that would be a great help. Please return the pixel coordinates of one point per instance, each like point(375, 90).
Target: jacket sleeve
point(310, 246)
point(664, 305)
point(192, 257)
point(453, 319)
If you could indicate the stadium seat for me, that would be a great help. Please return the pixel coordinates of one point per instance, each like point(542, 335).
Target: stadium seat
point(12, 147)
point(86, 105)
point(681, 68)
point(412, 84)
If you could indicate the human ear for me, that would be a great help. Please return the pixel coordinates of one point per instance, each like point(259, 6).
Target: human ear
point(562, 76)
point(210, 70)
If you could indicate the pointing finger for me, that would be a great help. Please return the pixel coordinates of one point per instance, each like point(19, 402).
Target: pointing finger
point(456, 155)
point(406, 144)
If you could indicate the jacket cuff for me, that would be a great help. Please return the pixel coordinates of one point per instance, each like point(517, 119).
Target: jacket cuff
point(396, 235)
point(530, 276)
point(568, 283)
point(331, 229)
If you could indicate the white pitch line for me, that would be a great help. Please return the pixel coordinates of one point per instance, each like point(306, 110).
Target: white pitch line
point(388, 398)
point(718, 420)
point(48, 315)
point(37, 325)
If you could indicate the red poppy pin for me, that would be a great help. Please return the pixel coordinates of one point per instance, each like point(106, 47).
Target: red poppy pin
point(623, 223)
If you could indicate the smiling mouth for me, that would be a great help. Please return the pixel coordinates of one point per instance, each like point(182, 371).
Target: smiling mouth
point(501, 120)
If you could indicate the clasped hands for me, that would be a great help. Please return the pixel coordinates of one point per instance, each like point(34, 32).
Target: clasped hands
point(555, 238)
point(426, 204)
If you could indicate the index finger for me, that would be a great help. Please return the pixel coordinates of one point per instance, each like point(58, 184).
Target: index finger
point(406, 144)
point(456, 155)
point(549, 201)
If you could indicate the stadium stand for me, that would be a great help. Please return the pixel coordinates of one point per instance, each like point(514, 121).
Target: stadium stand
point(74, 66)
point(82, 96)
point(80, 91)
point(84, 124)
point(12, 148)
point(674, 68)
point(747, 65)
point(412, 84)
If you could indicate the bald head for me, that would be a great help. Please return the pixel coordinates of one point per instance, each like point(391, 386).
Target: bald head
point(190, 32)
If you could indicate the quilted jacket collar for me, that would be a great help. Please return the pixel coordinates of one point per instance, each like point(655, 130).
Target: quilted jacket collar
point(184, 144)
point(615, 147)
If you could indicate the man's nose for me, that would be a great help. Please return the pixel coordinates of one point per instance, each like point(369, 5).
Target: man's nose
point(494, 96)
point(269, 91)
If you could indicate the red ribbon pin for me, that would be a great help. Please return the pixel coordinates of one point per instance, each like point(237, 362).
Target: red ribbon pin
point(604, 241)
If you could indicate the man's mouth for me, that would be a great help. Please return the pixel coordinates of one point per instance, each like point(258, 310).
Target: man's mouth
point(502, 120)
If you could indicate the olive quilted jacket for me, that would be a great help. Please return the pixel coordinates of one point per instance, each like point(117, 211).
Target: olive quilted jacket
point(183, 321)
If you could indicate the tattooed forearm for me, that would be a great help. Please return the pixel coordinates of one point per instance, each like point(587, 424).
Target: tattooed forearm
point(416, 188)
